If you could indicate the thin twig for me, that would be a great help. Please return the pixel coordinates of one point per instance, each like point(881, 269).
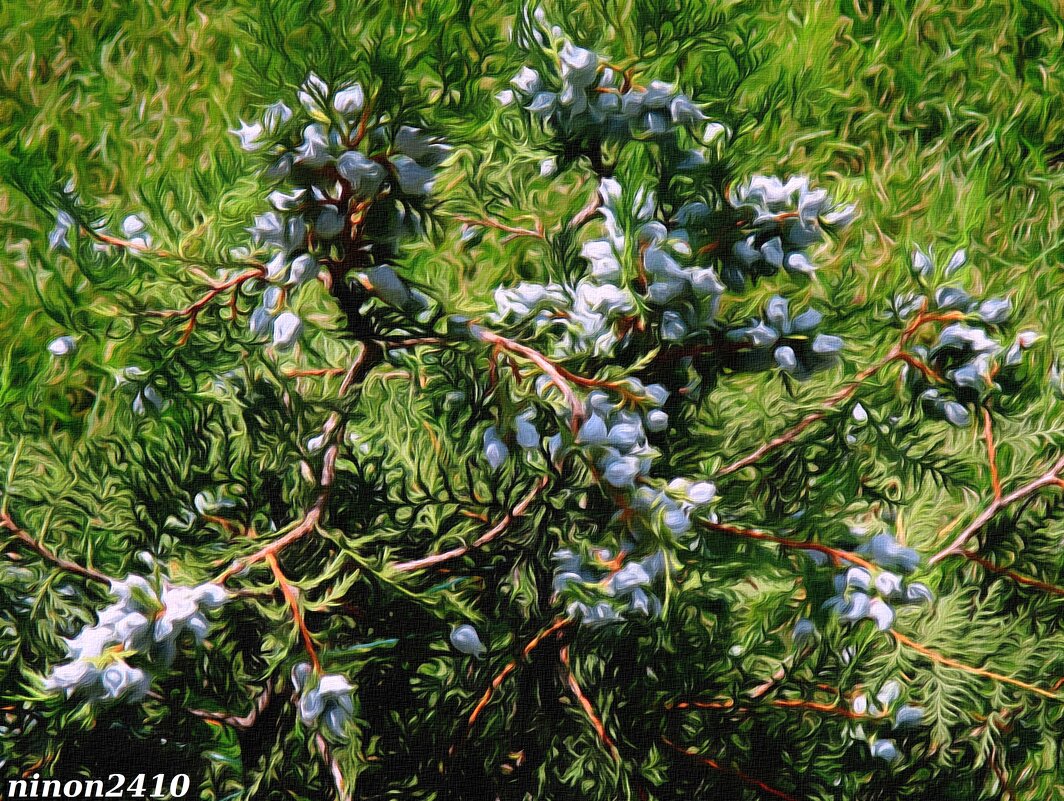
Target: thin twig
point(792, 434)
point(897, 353)
point(991, 452)
point(556, 625)
point(312, 517)
point(342, 793)
point(727, 704)
point(297, 614)
point(935, 656)
point(712, 763)
point(238, 721)
point(513, 230)
point(1050, 478)
point(1019, 578)
point(837, 555)
point(587, 212)
point(24, 538)
point(588, 707)
point(516, 512)
point(549, 368)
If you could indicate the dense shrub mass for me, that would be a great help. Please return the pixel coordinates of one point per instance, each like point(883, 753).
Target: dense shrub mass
point(517, 407)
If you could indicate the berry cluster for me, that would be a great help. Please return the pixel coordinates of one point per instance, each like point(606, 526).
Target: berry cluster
point(352, 187)
point(144, 621)
point(328, 698)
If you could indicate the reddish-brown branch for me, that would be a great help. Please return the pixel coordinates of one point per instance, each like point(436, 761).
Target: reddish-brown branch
point(297, 614)
point(237, 721)
point(548, 368)
point(25, 539)
point(314, 373)
point(127, 244)
point(357, 370)
point(483, 539)
point(935, 656)
point(744, 777)
point(727, 704)
point(193, 310)
point(562, 378)
point(1051, 478)
point(837, 555)
point(991, 452)
point(342, 793)
point(587, 706)
point(897, 353)
point(557, 625)
point(302, 528)
point(792, 434)
point(916, 364)
point(1019, 578)
point(513, 230)
point(587, 212)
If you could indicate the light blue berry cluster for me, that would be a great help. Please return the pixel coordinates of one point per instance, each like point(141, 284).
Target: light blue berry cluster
point(602, 595)
point(326, 699)
point(350, 184)
point(884, 708)
point(968, 356)
point(145, 623)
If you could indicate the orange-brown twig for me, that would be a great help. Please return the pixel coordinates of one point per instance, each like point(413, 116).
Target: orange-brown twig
point(916, 364)
point(512, 230)
point(236, 721)
point(193, 310)
point(546, 366)
point(712, 763)
point(1019, 578)
point(313, 515)
point(1051, 478)
point(314, 373)
point(897, 353)
point(793, 433)
point(25, 539)
point(727, 704)
point(297, 614)
point(588, 707)
point(556, 625)
point(991, 452)
point(483, 539)
point(837, 555)
point(935, 656)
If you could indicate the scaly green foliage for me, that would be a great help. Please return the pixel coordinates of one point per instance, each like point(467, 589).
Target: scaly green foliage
point(529, 441)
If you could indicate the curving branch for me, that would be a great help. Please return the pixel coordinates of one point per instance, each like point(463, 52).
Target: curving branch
point(935, 656)
point(27, 540)
point(516, 512)
point(192, 311)
point(728, 705)
point(238, 721)
point(743, 777)
point(897, 353)
point(837, 555)
point(512, 230)
point(588, 707)
point(1019, 578)
point(297, 613)
point(1051, 478)
point(556, 626)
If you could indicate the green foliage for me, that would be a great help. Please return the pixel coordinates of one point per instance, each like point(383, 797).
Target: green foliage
point(174, 447)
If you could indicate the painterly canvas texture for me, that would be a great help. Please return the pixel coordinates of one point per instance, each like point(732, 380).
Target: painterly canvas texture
point(606, 399)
